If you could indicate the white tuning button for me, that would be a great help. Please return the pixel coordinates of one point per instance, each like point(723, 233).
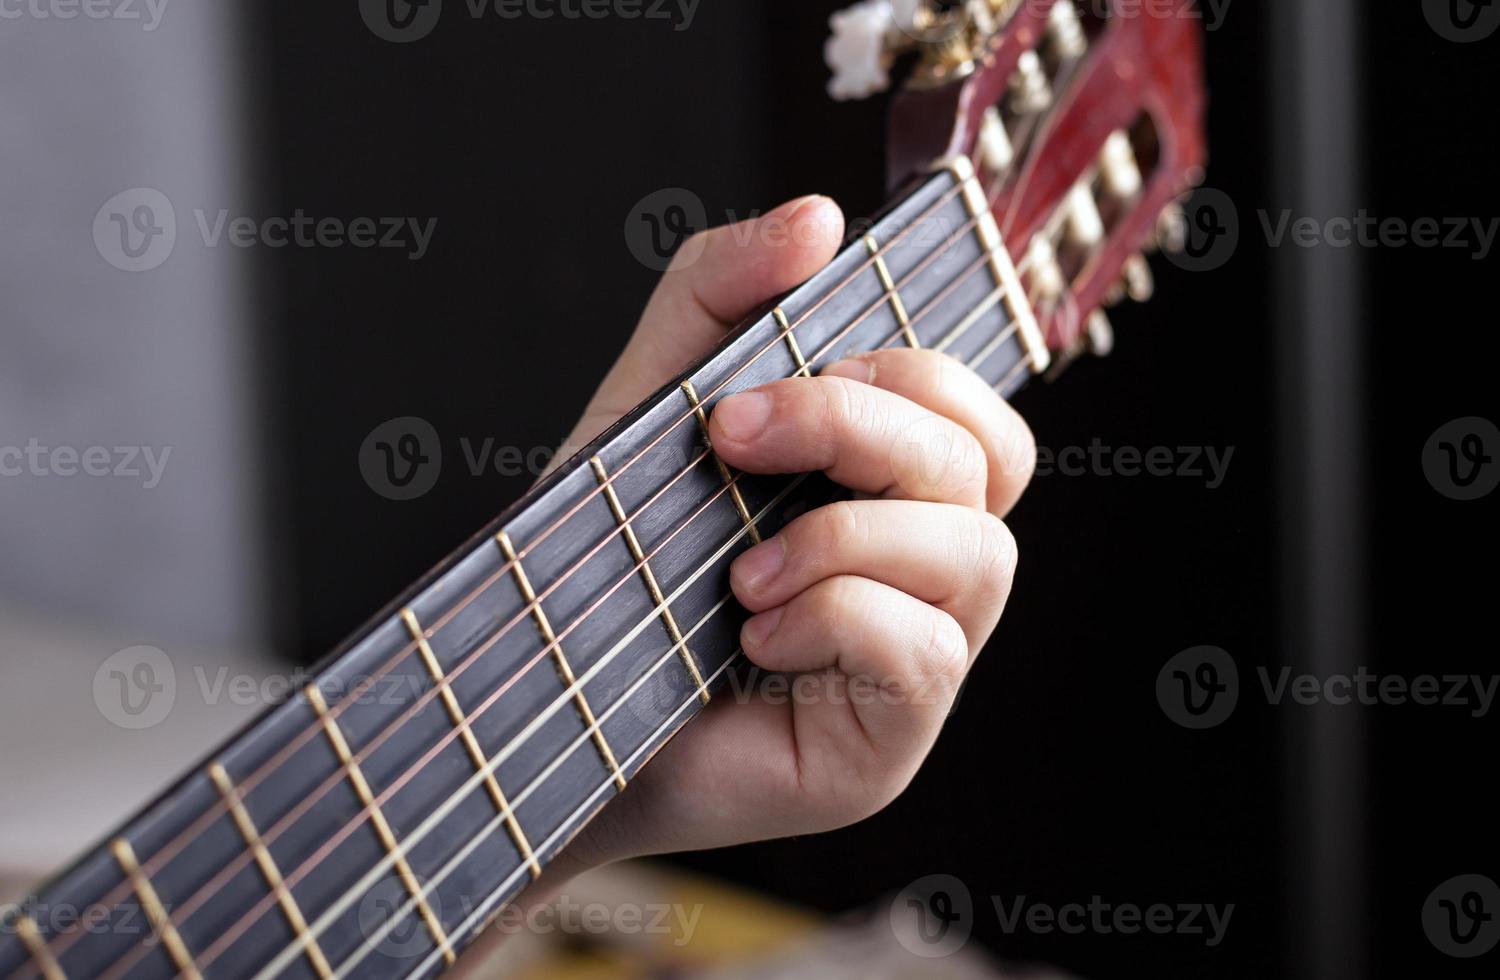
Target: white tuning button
point(857, 51)
point(1030, 91)
point(1101, 335)
point(1065, 37)
point(1171, 228)
point(1118, 168)
point(995, 150)
point(1085, 226)
point(1047, 281)
point(1140, 284)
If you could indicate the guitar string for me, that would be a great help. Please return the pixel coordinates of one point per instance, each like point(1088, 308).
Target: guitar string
point(819, 353)
point(483, 910)
point(61, 942)
point(243, 790)
point(358, 956)
point(187, 908)
point(561, 701)
point(294, 951)
point(432, 821)
point(449, 942)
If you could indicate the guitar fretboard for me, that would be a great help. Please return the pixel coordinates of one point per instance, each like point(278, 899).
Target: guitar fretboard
point(375, 822)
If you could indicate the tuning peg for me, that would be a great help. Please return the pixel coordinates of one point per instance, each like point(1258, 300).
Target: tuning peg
point(1140, 284)
point(1030, 91)
point(1085, 226)
point(857, 51)
point(1118, 167)
point(1047, 279)
point(1065, 37)
point(1100, 334)
point(996, 153)
point(1171, 228)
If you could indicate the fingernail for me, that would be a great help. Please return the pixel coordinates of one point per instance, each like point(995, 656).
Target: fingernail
point(758, 629)
point(792, 207)
point(756, 567)
point(854, 368)
point(742, 417)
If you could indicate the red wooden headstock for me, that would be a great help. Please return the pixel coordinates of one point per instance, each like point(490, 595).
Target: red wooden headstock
point(1099, 108)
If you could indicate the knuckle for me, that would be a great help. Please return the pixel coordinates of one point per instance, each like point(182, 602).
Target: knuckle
point(844, 523)
point(813, 538)
point(995, 558)
point(830, 606)
point(972, 454)
point(845, 407)
point(946, 656)
point(1017, 452)
point(927, 371)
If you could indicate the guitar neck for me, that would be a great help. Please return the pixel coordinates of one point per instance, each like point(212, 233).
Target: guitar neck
point(375, 821)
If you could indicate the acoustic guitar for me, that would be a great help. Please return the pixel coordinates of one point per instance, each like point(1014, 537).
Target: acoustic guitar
point(1037, 152)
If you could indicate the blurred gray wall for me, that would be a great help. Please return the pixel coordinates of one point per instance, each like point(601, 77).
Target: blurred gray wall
point(149, 365)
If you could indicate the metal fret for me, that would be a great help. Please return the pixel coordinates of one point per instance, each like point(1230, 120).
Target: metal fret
point(889, 284)
point(377, 817)
point(270, 871)
point(564, 668)
point(729, 480)
point(466, 735)
point(31, 937)
point(650, 578)
point(161, 922)
point(791, 341)
point(1008, 282)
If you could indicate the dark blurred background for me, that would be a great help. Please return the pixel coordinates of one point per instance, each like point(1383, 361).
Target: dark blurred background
point(1324, 370)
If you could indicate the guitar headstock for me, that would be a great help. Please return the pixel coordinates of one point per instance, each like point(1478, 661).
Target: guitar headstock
point(1084, 122)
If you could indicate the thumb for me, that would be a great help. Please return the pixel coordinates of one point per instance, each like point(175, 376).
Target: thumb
point(716, 279)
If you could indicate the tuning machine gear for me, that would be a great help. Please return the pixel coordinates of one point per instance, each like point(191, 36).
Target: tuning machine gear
point(870, 35)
